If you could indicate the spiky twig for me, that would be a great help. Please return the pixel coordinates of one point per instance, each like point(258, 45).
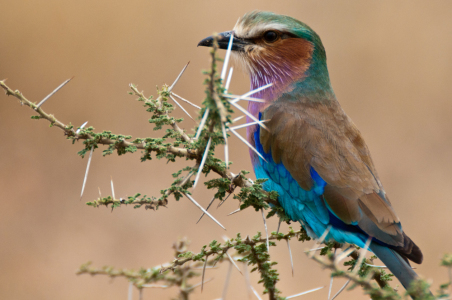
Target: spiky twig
point(52, 93)
point(87, 170)
point(185, 100)
point(228, 81)
point(252, 92)
point(304, 293)
point(89, 135)
point(207, 208)
point(203, 210)
point(243, 98)
point(290, 256)
point(237, 242)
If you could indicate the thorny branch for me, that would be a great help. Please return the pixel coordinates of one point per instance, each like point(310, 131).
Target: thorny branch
point(84, 135)
point(233, 243)
point(376, 293)
point(367, 272)
point(253, 250)
point(152, 277)
point(120, 144)
point(173, 123)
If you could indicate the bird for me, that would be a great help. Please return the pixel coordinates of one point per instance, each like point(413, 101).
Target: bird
point(311, 152)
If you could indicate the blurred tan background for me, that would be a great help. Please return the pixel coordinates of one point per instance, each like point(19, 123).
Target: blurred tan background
point(391, 67)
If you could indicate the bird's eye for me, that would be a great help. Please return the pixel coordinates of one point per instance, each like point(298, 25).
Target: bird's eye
point(270, 36)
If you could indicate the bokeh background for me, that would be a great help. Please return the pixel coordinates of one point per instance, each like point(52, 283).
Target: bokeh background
point(391, 67)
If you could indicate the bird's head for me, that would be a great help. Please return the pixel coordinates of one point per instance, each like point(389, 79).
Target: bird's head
point(277, 49)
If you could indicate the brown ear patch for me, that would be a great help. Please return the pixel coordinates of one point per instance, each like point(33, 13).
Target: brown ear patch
point(286, 61)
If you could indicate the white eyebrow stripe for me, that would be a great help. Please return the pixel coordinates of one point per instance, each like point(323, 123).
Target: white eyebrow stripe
point(246, 32)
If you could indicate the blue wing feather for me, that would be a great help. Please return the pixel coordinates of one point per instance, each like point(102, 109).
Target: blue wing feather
point(307, 207)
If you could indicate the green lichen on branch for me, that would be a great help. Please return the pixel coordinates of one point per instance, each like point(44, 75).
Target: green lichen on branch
point(236, 243)
point(446, 261)
point(137, 201)
point(180, 278)
point(258, 257)
point(254, 252)
point(255, 196)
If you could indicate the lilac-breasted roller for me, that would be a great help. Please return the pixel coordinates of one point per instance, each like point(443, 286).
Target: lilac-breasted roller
point(315, 157)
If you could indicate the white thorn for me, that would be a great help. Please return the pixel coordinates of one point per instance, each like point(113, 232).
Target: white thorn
point(343, 255)
point(266, 231)
point(375, 266)
point(130, 294)
point(203, 122)
point(155, 286)
point(244, 98)
point(361, 257)
point(252, 92)
point(208, 267)
point(86, 172)
point(248, 124)
point(304, 293)
point(279, 225)
point(248, 114)
point(290, 255)
point(226, 59)
point(331, 286)
point(198, 284)
point(255, 293)
point(314, 249)
point(203, 273)
point(178, 77)
point(181, 107)
point(81, 127)
point(100, 195)
point(237, 119)
point(325, 233)
point(224, 200)
point(321, 239)
point(226, 147)
point(331, 281)
point(226, 283)
point(341, 289)
point(202, 209)
point(233, 262)
point(203, 161)
point(235, 211)
point(247, 280)
point(246, 143)
point(211, 201)
point(185, 100)
point(52, 93)
point(112, 189)
point(228, 81)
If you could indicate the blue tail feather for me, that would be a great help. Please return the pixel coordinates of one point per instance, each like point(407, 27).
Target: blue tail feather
point(395, 263)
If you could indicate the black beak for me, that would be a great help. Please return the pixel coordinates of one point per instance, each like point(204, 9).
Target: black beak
point(238, 44)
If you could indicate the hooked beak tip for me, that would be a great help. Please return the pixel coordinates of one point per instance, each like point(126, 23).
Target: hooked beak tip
point(223, 41)
point(207, 42)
